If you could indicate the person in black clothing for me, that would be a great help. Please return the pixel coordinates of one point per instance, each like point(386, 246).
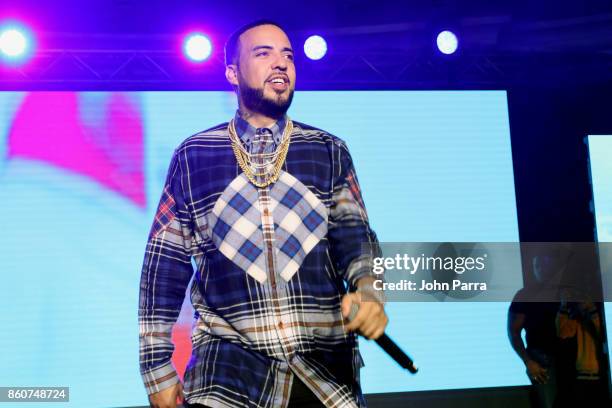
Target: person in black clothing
point(541, 355)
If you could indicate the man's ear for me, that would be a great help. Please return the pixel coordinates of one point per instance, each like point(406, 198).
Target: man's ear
point(231, 74)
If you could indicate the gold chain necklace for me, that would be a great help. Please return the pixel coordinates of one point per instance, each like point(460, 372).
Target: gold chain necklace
point(245, 160)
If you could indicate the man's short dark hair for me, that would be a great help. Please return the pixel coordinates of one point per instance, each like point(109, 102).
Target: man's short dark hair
point(232, 45)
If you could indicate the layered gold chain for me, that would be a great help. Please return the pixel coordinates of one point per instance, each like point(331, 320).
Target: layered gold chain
point(252, 170)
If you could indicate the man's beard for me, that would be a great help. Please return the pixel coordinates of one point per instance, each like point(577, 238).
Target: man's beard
point(254, 100)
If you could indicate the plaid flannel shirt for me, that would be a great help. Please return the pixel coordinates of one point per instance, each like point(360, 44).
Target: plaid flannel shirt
point(272, 265)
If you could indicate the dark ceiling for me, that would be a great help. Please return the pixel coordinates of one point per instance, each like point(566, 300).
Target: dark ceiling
point(578, 24)
point(383, 44)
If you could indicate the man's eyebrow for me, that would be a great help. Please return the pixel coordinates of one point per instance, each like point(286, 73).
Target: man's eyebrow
point(269, 47)
point(259, 47)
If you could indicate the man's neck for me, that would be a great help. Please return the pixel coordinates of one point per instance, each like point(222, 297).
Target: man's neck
point(256, 119)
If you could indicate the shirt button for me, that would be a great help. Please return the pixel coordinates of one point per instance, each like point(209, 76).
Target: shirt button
point(266, 212)
point(280, 325)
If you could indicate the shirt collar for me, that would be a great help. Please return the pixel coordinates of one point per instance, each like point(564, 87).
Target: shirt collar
point(246, 131)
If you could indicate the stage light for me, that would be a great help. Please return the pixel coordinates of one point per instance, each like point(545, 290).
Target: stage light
point(315, 47)
point(198, 47)
point(447, 42)
point(15, 43)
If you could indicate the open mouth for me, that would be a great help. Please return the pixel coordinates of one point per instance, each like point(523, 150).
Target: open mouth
point(279, 83)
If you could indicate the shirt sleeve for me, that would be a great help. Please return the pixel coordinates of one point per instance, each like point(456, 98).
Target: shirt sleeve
point(353, 244)
point(166, 272)
point(519, 305)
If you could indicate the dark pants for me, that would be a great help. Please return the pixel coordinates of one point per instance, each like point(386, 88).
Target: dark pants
point(545, 395)
point(301, 397)
point(591, 392)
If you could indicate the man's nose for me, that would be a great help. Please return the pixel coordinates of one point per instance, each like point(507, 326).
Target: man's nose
point(280, 63)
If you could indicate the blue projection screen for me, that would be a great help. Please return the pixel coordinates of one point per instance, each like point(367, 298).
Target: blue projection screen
point(81, 175)
point(600, 152)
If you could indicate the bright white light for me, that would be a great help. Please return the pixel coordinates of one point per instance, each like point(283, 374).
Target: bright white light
point(13, 43)
point(447, 42)
point(198, 47)
point(315, 47)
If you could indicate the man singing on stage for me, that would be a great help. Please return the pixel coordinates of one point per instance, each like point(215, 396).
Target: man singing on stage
point(271, 211)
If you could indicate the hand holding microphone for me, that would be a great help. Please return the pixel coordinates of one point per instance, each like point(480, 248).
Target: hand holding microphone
point(370, 319)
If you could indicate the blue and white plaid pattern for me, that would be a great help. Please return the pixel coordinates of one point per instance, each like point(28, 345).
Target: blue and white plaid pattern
point(300, 222)
point(252, 335)
point(236, 227)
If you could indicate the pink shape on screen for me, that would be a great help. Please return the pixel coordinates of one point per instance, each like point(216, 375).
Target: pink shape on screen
point(181, 337)
point(49, 127)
